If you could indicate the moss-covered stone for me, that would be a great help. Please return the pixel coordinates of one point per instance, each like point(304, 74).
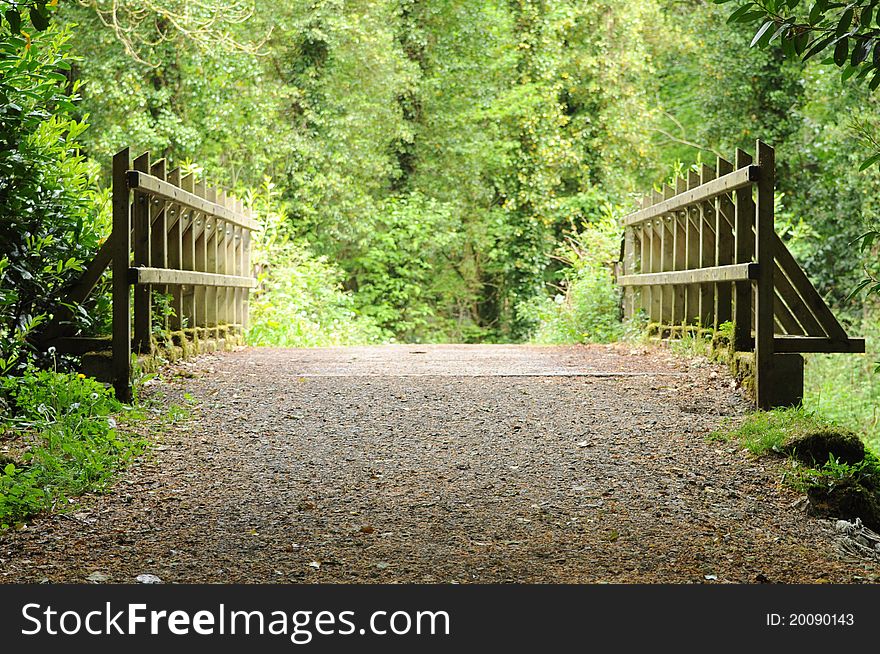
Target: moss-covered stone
point(814, 448)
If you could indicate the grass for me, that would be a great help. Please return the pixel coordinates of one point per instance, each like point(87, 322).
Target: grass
point(60, 439)
point(764, 432)
point(846, 389)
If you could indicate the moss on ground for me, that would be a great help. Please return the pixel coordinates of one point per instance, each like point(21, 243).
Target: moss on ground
point(839, 476)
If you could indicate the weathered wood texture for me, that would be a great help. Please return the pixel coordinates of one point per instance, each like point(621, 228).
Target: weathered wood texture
point(705, 253)
point(183, 246)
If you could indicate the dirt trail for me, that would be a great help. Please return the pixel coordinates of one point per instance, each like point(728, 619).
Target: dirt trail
point(441, 464)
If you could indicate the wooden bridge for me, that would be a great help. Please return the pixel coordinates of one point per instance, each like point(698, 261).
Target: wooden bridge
point(705, 252)
point(455, 463)
point(700, 255)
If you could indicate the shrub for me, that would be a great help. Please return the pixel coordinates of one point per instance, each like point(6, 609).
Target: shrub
point(586, 310)
point(52, 216)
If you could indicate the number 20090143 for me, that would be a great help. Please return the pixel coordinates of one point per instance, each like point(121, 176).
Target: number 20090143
point(810, 620)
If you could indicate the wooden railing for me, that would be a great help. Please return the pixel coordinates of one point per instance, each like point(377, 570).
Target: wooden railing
point(174, 238)
point(705, 252)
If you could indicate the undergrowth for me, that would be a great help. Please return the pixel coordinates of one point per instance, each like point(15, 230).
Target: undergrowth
point(59, 439)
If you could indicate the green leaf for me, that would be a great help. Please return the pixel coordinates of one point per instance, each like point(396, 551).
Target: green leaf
point(845, 22)
point(801, 41)
point(870, 161)
point(818, 46)
point(739, 13)
point(865, 17)
point(39, 19)
point(841, 50)
point(858, 289)
point(860, 52)
point(13, 17)
point(764, 31)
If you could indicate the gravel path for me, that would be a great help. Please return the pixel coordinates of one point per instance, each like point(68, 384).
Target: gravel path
point(441, 464)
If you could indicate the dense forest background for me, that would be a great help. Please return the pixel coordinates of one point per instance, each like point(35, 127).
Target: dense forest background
point(427, 171)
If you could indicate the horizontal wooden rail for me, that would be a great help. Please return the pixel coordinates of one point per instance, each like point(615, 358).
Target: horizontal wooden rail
point(732, 273)
point(157, 188)
point(798, 344)
point(166, 277)
point(738, 179)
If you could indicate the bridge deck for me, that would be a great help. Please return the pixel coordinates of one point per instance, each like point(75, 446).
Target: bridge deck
point(441, 464)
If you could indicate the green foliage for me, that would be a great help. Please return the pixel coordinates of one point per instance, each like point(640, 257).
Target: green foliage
point(301, 303)
point(847, 31)
point(18, 13)
point(764, 432)
point(586, 310)
point(63, 428)
point(832, 473)
point(51, 215)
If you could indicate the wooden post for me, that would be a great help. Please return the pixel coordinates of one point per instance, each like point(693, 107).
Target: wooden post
point(121, 238)
point(142, 293)
point(765, 254)
point(744, 218)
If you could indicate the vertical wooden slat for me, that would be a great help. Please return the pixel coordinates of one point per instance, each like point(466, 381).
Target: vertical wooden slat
point(724, 247)
point(222, 309)
point(121, 258)
point(628, 262)
point(707, 251)
point(175, 250)
point(232, 295)
point(645, 262)
point(668, 260)
point(212, 234)
point(159, 231)
point(201, 246)
point(141, 244)
point(188, 257)
point(680, 247)
point(744, 219)
point(654, 262)
point(693, 253)
point(247, 270)
point(765, 254)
